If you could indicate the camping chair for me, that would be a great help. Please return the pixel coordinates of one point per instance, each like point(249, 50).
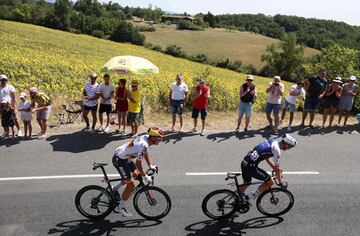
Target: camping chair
point(73, 111)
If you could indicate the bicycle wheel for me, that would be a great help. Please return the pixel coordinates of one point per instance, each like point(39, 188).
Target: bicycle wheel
point(94, 202)
point(275, 202)
point(220, 204)
point(152, 202)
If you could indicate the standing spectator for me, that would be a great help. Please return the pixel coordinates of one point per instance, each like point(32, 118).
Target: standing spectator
point(25, 110)
point(42, 111)
point(296, 90)
point(122, 105)
point(316, 87)
point(332, 98)
point(275, 92)
point(200, 104)
point(134, 107)
point(91, 96)
point(7, 118)
point(8, 92)
point(347, 99)
point(106, 93)
point(178, 97)
point(247, 95)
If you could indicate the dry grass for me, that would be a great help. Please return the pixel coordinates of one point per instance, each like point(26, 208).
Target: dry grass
point(217, 43)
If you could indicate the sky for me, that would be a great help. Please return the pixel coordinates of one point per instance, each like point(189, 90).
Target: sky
point(347, 11)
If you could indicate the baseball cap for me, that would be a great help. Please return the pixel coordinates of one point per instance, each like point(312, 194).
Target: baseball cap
point(93, 75)
point(2, 76)
point(22, 95)
point(276, 77)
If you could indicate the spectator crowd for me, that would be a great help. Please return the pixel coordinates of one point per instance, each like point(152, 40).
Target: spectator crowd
point(123, 105)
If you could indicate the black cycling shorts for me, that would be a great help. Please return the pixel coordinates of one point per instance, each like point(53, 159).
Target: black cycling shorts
point(250, 171)
point(124, 167)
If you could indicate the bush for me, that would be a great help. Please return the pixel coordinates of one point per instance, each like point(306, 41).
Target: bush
point(157, 48)
point(125, 32)
point(201, 58)
point(175, 51)
point(187, 25)
point(98, 33)
point(146, 28)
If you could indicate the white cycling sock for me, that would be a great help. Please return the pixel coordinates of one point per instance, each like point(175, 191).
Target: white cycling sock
point(117, 186)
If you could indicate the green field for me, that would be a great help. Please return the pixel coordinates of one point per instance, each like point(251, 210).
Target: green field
point(217, 43)
point(59, 64)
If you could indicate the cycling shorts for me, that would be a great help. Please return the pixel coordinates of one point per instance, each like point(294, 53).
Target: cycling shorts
point(124, 167)
point(250, 171)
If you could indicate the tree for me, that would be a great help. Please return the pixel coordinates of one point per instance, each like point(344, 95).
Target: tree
point(125, 32)
point(62, 10)
point(284, 59)
point(210, 18)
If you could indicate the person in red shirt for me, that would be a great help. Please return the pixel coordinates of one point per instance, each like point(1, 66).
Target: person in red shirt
point(200, 105)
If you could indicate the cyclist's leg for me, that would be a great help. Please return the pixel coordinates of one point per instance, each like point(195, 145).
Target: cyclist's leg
point(130, 185)
point(260, 174)
point(246, 175)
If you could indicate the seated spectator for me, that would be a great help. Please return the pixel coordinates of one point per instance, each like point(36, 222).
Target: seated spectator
point(200, 105)
point(247, 96)
point(134, 107)
point(331, 100)
point(275, 91)
point(347, 99)
point(296, 90)
point(25, 110)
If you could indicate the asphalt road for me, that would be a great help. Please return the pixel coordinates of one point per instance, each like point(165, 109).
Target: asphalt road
point(325, 204)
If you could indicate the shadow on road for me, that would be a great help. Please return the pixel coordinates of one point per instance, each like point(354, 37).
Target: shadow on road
point(220, 137)
point(229, 227)
point(82, 141)
point(176, 137)
point(100, 227)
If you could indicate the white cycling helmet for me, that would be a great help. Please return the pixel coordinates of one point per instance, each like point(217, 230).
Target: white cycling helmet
point(288, 139)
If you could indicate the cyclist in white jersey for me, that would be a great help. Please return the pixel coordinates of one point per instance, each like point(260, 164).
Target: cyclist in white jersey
point(122, 160)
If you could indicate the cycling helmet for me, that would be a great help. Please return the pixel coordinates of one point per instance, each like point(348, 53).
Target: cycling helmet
point(33, 90)
point(288, 139)
point(155, 132)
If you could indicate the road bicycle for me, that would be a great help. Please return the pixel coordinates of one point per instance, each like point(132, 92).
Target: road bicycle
point(96, 202)
point(223, 203)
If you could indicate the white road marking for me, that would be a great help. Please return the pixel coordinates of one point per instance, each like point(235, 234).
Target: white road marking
point(285, 173)
point(57, 177)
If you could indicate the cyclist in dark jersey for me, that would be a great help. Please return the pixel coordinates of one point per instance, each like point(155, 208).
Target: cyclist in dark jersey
point(264, 151)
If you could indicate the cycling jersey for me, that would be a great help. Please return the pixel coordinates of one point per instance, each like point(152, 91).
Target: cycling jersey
point(265, 150)
point(137, 147)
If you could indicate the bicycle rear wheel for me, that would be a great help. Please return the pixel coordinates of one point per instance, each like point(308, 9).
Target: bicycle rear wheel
point(152, 203)
point(220, 204)
point(94, 202)
point(275, 202)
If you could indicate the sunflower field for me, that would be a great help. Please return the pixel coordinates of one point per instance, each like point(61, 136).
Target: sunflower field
point(59, 64)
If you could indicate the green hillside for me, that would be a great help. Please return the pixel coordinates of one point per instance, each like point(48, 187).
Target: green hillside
point(60, 62)
point(217, 43)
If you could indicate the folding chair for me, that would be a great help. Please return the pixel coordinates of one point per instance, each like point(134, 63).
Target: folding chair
point(72, 112)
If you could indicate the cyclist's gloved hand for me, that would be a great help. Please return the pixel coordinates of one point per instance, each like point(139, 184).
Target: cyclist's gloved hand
point(154, 167)
point(284, 185)
point(148, 179)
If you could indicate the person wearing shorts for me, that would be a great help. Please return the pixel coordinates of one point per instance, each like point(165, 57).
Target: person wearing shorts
point(296, 90)
point(247, 95)
point(275, 91)
point(134, 107)
point(316, 87)
point(42, 111)
point(331, 102)
point(200, 105)
point(347, 99)
point(106, 92)
point(91, 95)
point(178, 96)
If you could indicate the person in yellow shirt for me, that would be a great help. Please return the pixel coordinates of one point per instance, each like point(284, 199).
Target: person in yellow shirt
point(134, 107)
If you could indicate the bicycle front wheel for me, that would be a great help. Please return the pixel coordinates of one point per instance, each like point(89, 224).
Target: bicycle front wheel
point(94, 202)
point(220, 204)
point(275, 202)
point(152, 203)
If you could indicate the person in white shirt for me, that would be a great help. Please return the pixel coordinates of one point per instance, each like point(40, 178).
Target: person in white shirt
point(296, 90)
point(106, 93)
point(91, 96)
point(25, 109)
point(8, 93)
point(275, 92)
point(178, 97)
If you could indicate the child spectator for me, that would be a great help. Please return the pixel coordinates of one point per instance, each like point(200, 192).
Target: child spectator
point(24, 108)
point(7, 118)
